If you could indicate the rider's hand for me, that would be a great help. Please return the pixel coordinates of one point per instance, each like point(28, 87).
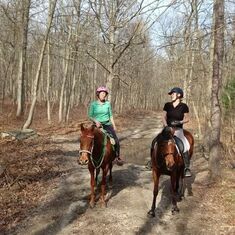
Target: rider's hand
point(98, 124)
point(176, 123)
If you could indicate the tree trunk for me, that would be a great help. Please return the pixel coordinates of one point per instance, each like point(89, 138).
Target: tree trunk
point(22, 57)
point(48, 83)
point(62, 92)
point(36, 81)
point(111, 61)
point(215, 145)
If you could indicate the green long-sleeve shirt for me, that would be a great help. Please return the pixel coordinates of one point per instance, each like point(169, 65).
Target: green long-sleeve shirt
point(101, 112)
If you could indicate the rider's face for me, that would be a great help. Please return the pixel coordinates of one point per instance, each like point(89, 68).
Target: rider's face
point(102, 95)
point(174, 96)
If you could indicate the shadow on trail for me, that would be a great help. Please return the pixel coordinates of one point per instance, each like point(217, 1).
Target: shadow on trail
point(162, 208)
point(164, 205)
point(123, 178)
point(66, 206)
point(72, 201)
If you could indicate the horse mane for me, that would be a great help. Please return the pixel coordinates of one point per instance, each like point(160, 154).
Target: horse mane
point(98, 132)
point(166, 133)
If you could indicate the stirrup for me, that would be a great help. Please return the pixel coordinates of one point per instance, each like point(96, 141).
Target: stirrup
point(187, 172)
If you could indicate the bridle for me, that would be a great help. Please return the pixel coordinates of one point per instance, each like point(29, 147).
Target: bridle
point(85, 150)
point(96, 163)
point(163, 155)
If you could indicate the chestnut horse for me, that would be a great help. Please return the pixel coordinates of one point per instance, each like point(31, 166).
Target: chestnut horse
point(166, 160)
point(96, 151)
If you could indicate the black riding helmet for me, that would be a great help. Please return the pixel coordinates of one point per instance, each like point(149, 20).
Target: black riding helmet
point(176, 90)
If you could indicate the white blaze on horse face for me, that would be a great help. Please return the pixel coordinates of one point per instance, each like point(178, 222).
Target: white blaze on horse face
point(169, 158)
point(86, 148)
point(170, 162)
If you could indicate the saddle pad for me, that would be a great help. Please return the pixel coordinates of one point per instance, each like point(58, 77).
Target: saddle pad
point(179, 144)
point(112, 140)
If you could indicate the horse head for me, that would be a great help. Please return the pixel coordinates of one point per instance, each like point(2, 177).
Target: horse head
point(167, 151)
point(86, 144)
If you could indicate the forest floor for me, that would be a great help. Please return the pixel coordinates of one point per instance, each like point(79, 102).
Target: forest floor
point(44, 191)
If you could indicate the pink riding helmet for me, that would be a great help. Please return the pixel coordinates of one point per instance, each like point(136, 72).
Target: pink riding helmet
point(100, 89)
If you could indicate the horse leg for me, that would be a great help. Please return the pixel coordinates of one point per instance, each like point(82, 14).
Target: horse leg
point(156, 177)
point(92, 199)
point(182, 184)
point(103, 187)
point(97, 177)
point(179, 186)
point(174, 192)
point(110, 175)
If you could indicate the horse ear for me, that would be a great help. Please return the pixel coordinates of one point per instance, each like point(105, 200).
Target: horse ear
point(82, 126)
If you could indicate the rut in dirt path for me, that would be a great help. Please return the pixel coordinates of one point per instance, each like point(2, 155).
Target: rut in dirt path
point(64, 210)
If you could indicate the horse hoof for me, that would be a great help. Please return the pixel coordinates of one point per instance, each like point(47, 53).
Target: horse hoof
point(92, 205)
point(103, 205)
point(179, 198)
point(175, 210)
point(151, 214)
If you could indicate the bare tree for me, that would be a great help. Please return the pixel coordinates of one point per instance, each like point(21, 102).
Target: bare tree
point(114, 16)
point(39, 68)
point(48, 81)
point(65, 77)
point(215, 144)
point(25, 7)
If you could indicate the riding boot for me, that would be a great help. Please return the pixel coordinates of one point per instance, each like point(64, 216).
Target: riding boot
point(187, 172)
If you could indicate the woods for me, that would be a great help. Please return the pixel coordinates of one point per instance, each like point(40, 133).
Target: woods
point(55, 54)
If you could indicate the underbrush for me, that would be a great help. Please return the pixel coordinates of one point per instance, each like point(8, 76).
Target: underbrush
point(29, 169)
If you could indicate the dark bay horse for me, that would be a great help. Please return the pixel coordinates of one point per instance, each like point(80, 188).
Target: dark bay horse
point(166, 160)
point(96, 151)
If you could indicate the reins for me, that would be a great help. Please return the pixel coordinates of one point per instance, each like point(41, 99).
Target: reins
point(96, 163)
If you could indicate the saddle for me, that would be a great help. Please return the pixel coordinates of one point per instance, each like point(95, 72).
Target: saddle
point(112, 140)
point(178, 142)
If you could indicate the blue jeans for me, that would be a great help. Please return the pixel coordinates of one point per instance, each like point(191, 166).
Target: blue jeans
point(111, 131)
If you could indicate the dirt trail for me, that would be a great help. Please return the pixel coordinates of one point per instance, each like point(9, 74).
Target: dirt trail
point(65, 210)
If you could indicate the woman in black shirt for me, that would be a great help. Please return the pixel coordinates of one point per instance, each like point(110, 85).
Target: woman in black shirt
point(175, 114)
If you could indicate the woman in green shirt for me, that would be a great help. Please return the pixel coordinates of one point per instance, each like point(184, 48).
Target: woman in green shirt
point(100, 112)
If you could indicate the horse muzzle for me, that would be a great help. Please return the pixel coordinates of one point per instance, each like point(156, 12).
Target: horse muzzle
point(170, 163)
point(170, 168)
point(83, 158)
point(83, 161)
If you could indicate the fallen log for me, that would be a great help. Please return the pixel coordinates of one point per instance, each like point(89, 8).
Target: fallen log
point(19, 134)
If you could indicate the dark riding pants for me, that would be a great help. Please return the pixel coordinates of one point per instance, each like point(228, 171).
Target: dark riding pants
point(111, 131)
